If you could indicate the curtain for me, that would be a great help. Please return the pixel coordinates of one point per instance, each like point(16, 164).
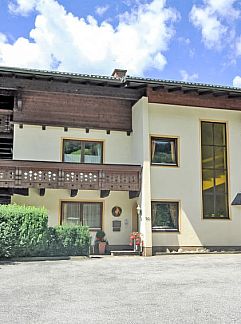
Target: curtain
point(71, 213)
point(92, 215)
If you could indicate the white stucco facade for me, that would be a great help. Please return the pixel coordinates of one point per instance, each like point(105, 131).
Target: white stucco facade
point(182, 184)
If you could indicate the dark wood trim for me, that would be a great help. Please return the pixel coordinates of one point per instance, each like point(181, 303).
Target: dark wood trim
point(101, 89)
point(104, 193)
point(61, 175)
point(134, 194)
point(41, 192)
point(205, 98)
point(73, 192)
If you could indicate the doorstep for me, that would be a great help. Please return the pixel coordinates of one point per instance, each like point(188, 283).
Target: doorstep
point(125, 253)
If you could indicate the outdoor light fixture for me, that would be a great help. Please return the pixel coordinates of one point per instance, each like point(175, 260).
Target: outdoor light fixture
point(138, 209)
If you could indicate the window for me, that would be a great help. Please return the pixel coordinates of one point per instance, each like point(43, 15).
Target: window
point(82, 213)
point(164, 151)
point(82, 151)
point(214, 170)
point(165, 216)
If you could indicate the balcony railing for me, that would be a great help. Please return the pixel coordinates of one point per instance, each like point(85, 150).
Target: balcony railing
point(5, 121)
point(59, 175)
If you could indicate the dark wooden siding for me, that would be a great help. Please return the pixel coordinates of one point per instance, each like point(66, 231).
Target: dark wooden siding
point(70, 110)
point(193, 99)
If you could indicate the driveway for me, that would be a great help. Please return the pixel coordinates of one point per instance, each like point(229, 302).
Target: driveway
point(161, 289)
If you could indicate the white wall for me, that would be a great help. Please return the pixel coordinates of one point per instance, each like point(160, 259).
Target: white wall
point(33, 143)
point(52, 202)
point(184, 183)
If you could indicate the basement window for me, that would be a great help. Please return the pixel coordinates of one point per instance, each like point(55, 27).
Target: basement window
point(78, 151)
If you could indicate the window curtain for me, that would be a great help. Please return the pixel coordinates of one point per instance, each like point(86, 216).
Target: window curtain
point(153, 149)
point(92, 215)
point(71, 213)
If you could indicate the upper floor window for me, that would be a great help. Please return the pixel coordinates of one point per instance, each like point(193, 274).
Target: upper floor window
point(164, 151)
point(214, 170)
point(77, 151)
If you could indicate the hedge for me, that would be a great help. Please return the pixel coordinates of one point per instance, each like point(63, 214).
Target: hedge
point(24, 231)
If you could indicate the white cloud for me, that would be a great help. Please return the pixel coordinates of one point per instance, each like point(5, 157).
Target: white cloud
point(215, 20)
point(22, 7)
point(188, 77)
point(138, 42)
point(101, 10)
point(237, 81)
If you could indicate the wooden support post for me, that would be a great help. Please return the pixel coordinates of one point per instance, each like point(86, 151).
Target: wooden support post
point(73, 192)
point(134, 194)
point(21, 191)
point(41, 192)
point(104, 193)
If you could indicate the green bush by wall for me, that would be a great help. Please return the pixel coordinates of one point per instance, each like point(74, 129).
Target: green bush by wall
point(24, 231)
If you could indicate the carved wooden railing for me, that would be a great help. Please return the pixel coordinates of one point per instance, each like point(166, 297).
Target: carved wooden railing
point(60, 175)
point(5, 121)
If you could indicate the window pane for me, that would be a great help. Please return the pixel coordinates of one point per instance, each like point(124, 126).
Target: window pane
point(164, 151)
point(92, 152)
point(92, 215)
point(220, 157)
point(71, 214)
point(72, 151)
point(221, 206)
point(208, 206)
point(208, 181)
point(214, 172)
point(165, 215)
point(221, 181)
point(219, 134)
point(207, 133)
point(207, 157)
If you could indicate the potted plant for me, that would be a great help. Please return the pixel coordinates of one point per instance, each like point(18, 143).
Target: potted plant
point(100, 242)
point(136, 241)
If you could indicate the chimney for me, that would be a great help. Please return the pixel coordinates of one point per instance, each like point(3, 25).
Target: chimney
point(119, 73)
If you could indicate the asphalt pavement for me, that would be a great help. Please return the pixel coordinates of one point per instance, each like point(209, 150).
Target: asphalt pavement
point(161, 289)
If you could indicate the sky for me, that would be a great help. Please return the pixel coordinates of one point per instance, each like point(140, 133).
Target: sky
point(185, 40)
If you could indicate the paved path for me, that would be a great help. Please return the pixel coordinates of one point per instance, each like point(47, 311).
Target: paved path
point(162, 289)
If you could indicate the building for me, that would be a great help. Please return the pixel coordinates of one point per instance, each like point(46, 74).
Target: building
point(124, 154)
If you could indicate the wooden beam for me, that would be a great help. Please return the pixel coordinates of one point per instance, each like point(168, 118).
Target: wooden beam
point(41, 192)
point(104, 193)
point(73, 192)
point(134, 194)
point(21, 191)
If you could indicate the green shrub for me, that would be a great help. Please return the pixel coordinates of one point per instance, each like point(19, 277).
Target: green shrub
point(24, 232)
point(71, 240)
point(22, 229)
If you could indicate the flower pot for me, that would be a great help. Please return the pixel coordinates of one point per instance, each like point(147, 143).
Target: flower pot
point(102, 246)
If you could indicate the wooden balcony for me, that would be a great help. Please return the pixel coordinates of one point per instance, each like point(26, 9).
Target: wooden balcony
point(73, 176)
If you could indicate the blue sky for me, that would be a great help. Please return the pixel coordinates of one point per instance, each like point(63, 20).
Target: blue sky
point(196, 41)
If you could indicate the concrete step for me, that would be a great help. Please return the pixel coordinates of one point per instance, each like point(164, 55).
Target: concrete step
point(125, 253)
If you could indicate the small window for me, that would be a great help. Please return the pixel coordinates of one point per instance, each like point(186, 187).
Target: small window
point(165, 216)
point(164, 151)
point(83, 152)
point(82, 213)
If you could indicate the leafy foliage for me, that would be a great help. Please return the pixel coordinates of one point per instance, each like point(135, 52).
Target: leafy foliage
point(24, 231)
